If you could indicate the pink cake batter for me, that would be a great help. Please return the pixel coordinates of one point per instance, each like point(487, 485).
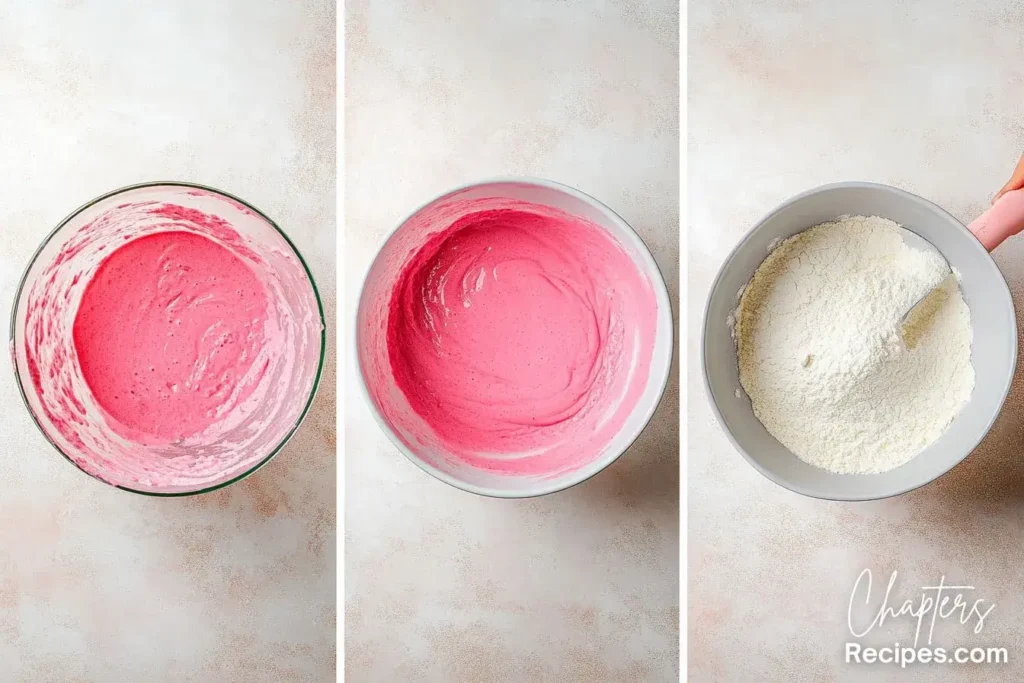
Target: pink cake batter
point(172, 339)
point(522, 336)
point(168, 334)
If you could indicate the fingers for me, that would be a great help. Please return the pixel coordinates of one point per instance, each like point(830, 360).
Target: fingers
point(1016, 181)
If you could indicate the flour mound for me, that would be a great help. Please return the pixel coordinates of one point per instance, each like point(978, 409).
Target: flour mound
point(820, 354)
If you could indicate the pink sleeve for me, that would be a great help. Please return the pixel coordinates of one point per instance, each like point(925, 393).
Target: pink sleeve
point(1004, 219)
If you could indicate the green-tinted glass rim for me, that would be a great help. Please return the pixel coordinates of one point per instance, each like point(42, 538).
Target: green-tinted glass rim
point(312, 282)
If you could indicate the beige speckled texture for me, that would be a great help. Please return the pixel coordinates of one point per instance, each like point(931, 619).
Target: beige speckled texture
point(784, 96)
point(96, 584)
point(443, 586)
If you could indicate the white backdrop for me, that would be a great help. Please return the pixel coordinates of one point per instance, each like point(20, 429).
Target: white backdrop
point(97, 584)
point(441, 585)
point(785, 96)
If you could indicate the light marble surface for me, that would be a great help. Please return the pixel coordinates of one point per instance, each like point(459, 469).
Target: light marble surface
point(785, 96)
point(442, 585)
point(97, 584)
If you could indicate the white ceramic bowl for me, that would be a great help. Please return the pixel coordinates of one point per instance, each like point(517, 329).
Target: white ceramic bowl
point(993, 351)
point(375, 295)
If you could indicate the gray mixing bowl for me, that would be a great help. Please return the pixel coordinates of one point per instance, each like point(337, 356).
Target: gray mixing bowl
point(993, 351)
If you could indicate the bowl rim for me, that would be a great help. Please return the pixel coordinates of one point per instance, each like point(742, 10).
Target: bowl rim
point(309, 274)
point(771, 475)
point(661, 294)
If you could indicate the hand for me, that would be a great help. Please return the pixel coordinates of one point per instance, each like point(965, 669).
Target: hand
point(1015, 182)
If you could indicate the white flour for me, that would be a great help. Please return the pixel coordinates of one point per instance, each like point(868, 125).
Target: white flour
point(820, 355)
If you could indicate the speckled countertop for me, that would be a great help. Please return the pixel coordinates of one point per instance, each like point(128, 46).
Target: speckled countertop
point(442, 585)
point(784, 96)
point(99, 585)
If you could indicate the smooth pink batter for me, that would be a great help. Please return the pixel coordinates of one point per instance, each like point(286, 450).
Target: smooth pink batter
point(173, 339)
point(522, 336)
point(167, 334)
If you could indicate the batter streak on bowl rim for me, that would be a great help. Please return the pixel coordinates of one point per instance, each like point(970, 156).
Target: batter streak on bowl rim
point(172, 338)
point(519, 337)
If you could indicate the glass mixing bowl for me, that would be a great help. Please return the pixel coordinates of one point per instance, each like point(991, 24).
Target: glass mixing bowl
point(50, 378)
